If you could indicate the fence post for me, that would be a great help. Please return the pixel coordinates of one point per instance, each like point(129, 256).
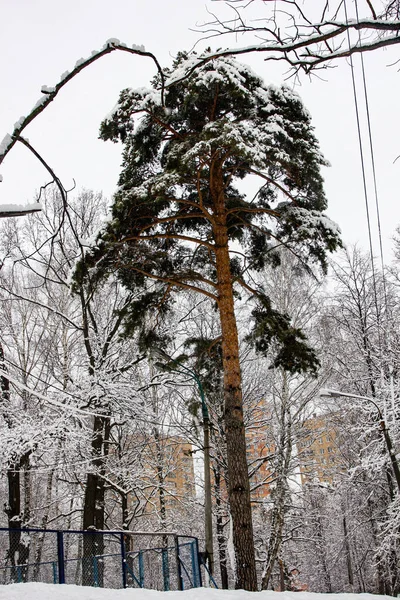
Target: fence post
point(95, 571)
point(141, 569)
point(54, 565)
point(194, 557)
point(192, 560)
point(165, 568)
point(178, 563)
point(19, 573)
point(200, 581)
point(123, 559)
point(60, 557)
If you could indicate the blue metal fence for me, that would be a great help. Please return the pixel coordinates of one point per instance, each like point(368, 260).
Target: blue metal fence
point(113, 559)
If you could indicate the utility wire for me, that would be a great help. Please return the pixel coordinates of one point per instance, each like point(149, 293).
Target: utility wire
point(371, 149)
point(374, 177)
point(387, 337)
point(364, 184)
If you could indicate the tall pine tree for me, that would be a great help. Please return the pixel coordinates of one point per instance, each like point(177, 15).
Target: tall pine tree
point(180, 221)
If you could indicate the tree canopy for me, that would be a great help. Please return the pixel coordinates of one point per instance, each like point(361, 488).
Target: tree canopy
point(217, 127)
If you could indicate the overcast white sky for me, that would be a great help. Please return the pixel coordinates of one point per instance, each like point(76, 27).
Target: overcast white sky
point(40, 39)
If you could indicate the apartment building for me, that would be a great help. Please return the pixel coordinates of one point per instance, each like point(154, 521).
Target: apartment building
point(318, 451)
point(168, 463)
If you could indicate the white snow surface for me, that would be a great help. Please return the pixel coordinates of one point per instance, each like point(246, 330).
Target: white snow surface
point(43, 591)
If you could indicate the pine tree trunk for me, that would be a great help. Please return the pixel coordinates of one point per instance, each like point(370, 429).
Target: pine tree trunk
point(238, 480)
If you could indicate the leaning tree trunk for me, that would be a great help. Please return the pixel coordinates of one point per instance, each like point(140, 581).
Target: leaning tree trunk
point(238, 480)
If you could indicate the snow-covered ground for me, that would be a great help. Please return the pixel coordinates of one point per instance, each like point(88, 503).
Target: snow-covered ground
point(43, 591)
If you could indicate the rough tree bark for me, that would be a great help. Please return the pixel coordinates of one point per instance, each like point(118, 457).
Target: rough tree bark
point(238, 479)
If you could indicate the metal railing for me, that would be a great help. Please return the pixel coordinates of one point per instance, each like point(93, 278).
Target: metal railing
point(113, 559)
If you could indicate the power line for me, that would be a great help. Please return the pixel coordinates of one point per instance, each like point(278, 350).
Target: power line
point(364, 178)
point(374, 177)
point(371, 148)
point(378, 218)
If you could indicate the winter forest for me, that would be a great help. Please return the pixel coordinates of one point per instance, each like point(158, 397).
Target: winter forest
point(202, 351)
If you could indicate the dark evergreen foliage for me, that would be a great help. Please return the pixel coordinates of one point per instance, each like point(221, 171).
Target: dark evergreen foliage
point(223, 121)
point(293, 353)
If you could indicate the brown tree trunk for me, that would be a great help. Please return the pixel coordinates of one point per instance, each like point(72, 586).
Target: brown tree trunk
point(238, 480)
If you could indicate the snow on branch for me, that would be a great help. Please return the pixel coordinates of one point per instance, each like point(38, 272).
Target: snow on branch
point(70, 409)
point(18, 210)
point(50, 93)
